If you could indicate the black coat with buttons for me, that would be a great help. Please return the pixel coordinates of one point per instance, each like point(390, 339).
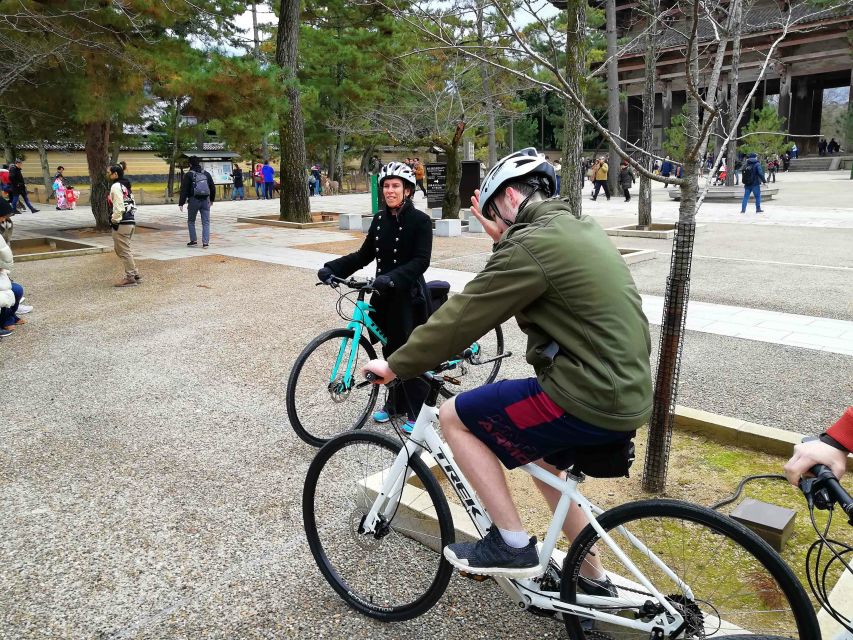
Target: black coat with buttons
point(401, 245)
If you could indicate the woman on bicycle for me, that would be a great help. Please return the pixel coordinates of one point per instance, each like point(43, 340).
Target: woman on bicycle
point(400, 240)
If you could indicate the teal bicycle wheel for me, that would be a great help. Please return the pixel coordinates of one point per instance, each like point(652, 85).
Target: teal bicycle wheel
point(320, 407)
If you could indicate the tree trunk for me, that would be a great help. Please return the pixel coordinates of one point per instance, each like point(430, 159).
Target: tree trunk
point(9, 149)
point(612, 92)
point(97, 155)
point(337, 170)
point(675, 301)
point(571, 181)
point(451, 204)
point(731, 151)
point(644, 217)
point(295, 206)
point(170, 184)
point(45, 170)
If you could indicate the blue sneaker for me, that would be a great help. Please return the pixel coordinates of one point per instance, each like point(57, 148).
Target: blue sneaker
point(491, 556)
point(381, 416)
point(408, 426)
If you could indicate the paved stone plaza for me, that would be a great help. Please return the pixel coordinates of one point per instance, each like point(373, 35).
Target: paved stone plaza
point(151, 484)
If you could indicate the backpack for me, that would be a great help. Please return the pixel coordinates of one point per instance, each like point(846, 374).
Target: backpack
point(129, 204)
point(199, 184)
point(748, 175)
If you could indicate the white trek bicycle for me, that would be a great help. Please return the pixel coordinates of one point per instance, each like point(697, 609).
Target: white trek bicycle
point(376, 519)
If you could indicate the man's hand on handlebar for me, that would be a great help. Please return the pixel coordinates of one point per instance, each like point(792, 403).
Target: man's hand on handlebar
point(808, 454)
point(380, 369)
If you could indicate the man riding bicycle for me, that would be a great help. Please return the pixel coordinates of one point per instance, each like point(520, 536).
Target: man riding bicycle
point(588, 342)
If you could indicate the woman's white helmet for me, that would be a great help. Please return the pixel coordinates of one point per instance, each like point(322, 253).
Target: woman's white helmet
point(398, 170)
point(516, 167)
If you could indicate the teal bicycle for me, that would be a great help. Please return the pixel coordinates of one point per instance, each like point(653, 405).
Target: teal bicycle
point(323, 398)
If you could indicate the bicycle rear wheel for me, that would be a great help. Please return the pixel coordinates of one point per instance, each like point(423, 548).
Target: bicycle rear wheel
point(320, 408)
point(739, 584)
point(471, 374)
point(398, 573)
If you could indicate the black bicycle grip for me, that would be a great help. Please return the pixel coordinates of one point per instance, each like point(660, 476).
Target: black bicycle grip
point(830, 483)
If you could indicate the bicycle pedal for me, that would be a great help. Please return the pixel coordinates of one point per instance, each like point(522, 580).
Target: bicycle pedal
point(451, 380)
point(474, 576)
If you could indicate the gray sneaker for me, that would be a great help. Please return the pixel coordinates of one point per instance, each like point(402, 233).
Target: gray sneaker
point(602, 588)
point(491, 556)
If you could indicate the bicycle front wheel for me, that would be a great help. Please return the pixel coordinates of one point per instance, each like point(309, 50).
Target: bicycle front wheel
point(321, 405)
point(399, 572)
point(737, 583)
point(471, 375)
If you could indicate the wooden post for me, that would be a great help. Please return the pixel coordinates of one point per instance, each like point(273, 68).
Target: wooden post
point(666, 106)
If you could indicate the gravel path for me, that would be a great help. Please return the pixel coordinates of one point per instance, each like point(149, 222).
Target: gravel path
point(150, 484)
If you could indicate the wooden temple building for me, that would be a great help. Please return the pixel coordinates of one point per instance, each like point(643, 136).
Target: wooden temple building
point(816, 54)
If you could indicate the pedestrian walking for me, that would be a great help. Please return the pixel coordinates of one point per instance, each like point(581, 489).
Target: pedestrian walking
point(794, 151)
point(198, 192)
point(258, 179)
point(239, 190)
point(821, 147)
point(752, 178)
point(772, 168)
point(268, 173)
point(318, 187)
point(666, 169)
point(19, 186)
point(123, 222)
point(599, 174)
point(626, 180)
point(558, 168)
point(420, 175)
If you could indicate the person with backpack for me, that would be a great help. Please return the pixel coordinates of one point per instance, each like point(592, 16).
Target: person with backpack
point(752, 177)
point(123, 222)
point(198, 192)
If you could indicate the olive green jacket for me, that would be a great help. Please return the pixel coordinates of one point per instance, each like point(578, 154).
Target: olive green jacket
point(564, 281)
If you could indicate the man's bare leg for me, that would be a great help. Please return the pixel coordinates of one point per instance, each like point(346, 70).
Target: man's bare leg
point(481, 467)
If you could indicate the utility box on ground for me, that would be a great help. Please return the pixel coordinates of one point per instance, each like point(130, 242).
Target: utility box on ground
point(773, 524)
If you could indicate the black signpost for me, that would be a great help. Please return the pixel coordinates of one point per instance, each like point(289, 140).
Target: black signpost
point(436, 176)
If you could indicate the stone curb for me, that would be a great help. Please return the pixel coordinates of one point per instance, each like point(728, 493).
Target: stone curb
point(741, 433)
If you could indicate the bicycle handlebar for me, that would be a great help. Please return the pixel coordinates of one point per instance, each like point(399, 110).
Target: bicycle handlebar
point(824, 490)
point(352, 283)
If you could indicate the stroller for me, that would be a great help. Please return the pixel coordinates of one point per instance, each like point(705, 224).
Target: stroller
point(720, 178)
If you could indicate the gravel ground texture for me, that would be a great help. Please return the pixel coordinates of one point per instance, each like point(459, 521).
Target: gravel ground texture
point(151, 485)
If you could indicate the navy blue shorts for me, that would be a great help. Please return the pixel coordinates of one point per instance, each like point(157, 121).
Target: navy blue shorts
point(521, 424)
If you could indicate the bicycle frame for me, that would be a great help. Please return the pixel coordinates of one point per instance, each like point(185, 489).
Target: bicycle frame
point(360, 320)
point(527, 593)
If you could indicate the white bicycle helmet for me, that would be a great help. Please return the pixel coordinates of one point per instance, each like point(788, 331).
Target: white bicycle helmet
point(398, 170)
point(518, 167)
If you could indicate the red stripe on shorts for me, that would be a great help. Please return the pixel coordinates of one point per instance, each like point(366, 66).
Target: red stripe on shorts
point(531, 412)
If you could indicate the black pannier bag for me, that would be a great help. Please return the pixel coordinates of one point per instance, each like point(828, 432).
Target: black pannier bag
point(438, 292)
point(600, 461)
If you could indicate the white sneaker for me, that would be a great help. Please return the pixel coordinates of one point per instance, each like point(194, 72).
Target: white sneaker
point(24, 308)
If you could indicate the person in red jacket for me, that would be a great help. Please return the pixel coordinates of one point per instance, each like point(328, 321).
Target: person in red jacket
point(831, 448)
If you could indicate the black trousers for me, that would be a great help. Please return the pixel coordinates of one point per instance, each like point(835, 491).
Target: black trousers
point(598, 185)
point(626, 193)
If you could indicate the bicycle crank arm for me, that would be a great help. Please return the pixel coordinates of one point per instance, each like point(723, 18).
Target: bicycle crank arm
point(500, 357)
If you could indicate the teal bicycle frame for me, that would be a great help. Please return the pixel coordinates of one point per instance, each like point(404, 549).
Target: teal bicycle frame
point(361, 320)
